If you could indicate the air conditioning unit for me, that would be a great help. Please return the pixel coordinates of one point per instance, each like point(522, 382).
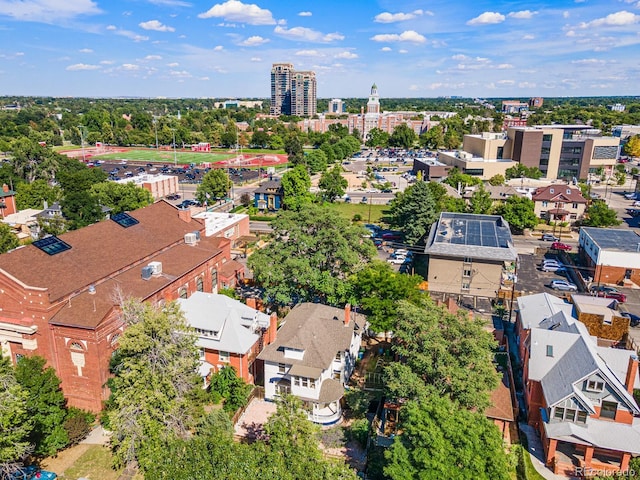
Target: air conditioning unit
point(190, 239)
point(197, 234)
point(156, 267)
point(147, 272)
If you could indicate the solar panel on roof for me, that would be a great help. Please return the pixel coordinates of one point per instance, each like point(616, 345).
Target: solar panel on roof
point(51, 245)
point(124, 219)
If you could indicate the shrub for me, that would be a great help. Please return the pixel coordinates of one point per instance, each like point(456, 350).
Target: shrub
point(77, 424)
point(357, 217)
point(359, 431)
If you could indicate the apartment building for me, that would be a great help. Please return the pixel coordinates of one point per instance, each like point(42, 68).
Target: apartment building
point(292, 92)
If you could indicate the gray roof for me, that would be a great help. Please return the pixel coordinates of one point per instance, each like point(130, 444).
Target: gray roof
point(316, 329)
point(269, 186)
point(467, 235)
point(535, 308)
point(622, 240)
point(235, 322)
point(600, 433)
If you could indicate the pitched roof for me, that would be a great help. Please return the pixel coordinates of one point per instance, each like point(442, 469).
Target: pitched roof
point(535, 308)
point(99, 251)
point(558, 193)
point(501, 405)
point(269, 187)
point(600, 433)
point(316, 329)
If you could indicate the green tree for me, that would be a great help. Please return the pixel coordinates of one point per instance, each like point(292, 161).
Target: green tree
point(81, 209)
point(15, 422)
point(313, 253)
point(632, 147)
point(520, 170)
point(455, 178)
point(480, 201)
point(403, 136)
point(296, 184)
point(316, 161)
point(31, 161)
point(8, 240)
point(441, 353)
point(413, 212)
point(451, 139)
point(215, 185)
point(377, 138)
point(34, 194)
point(332, 184)
point(497, 180)
point(293, 148)
point(260, 139)
point(121, 197)
point(600, 215)
point(155, 373)
point(519, 212)
point(441, 440)
point(445, 202)
point(45, 404)
point(377, 288)
point(55, 225)
point(433, 138)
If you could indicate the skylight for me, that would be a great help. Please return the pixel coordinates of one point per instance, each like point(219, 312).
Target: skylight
point(124, 219)
point(51, 245)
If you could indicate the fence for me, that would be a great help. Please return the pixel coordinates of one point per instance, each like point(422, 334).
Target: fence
point(257, 392)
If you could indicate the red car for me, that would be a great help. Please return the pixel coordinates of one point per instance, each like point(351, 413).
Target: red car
point(561, 246)
point(619, 296)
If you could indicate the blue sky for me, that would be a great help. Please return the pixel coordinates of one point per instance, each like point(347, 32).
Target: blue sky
point(183, 48)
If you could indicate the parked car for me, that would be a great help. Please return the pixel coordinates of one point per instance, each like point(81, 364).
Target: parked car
point(563, 285)
point(619, 296)
point(549, 237)
point(397, 260)
point(633, 319)
point(33, 473)
point(364, 200)
point(553, 267)
point(391, 236)
point(173, 196)
point(603, 288)
point(561, 246)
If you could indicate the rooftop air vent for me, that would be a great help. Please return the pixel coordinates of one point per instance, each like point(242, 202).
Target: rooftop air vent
point(190, 239)
point(147, 272)
point(156, 267)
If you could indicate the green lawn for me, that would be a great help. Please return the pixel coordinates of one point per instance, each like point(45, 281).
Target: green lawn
point(95, 463)
point(368, 213)
point(165, 156)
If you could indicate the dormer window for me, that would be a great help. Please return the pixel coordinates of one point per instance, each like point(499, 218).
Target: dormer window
point(568, 191)
point(595, 386)
point(551, 190)
point(549, 350)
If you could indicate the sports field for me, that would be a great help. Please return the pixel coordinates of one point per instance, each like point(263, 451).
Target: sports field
point(164, 156)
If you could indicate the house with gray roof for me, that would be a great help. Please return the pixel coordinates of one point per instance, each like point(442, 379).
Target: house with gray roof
point(313, 357)
point(578, 394)
point(612, 254)
point(229, 332)
point(470, 254)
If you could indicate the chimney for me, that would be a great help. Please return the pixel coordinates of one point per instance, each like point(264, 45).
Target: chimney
point(273, 327)
point(5, 188)
point(251, 303)
point(347, 314)
point(184, 214)
point(632, 372)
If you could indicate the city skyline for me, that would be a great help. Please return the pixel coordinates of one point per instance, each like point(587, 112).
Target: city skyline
point(177, 48)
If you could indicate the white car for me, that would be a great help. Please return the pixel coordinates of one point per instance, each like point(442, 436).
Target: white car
point(397, 260)
point(563, 285)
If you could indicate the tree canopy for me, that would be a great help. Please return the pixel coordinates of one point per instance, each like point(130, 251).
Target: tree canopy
point(413, 212)
point(403, 136)
point(519, 212)
point(632, 147)
point(121, 197)
point(332, 184)
point(480, 201)
point(296, 183)
point(8, 240)
point(215, 185)
point(600, 215)
point(312, 254)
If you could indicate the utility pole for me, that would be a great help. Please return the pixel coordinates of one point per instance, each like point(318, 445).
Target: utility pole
point(175, 156)
point(155, 126)
point(81, 128)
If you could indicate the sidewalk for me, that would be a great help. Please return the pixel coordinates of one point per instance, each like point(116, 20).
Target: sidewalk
point(97, 436)
point(537, 453)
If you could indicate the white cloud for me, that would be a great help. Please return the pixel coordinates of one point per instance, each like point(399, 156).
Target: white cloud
point(111, 27)
point(526, 85)
point(387, 17)
point(487, 18)
point(460, 57)
point(528, 36)
point(347, 55)
point(218, 48)
point(236, 11)
point(402, 50)
point(522, 14)
point(173, 64)
point(153, 57)
point(504, 66)
point(170, 3)
point(254, 41)
point(308, 53)
point(85, 50)
point(130, 67)
point(588, 61)
point(304, 14)
point(307, 34)
point(385, 49)
point(255, 59)
point(156, 26)
point(107, 62)
point(617, 19)
point(406, 36)
point(132, 35)
point(82, 66)
point(180, 74)
point(506, 82)
point(47, 11)
point(204, 79)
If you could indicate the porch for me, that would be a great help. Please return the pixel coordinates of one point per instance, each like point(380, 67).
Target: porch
point(586, 461)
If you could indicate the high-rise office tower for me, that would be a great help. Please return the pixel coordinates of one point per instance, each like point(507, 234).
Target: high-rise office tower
point(292, 93)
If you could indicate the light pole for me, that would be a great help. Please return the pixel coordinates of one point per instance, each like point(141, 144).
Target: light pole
point(175, 156)
point(155, 126)
point(81, 128)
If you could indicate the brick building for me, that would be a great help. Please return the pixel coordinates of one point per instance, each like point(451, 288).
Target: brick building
point(559, 203)
point(612, 254)
point(158, 185)
point(60, 296)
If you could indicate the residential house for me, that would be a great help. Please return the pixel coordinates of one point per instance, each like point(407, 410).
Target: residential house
point(559, 203)
point(61, 295)
point(230, 333)
point(7, 201)
point(268, 196)
point(611, 255)
point(469, 255)
point(313, 357)
point(24, 223)
point(497, 193)
point(602, 319)
point(578, 395)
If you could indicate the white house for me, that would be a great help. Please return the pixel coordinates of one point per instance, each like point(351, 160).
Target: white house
point(313, 357)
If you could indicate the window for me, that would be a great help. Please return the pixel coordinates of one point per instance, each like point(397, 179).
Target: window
point(312, 383)
point(305, 382)
point(570, 414)
point(545, 150)
point(558, 413)
point(466, 286)
point(199, 284)
point(201, 351)
point(549, 350)
point(500, 153)
point(582, 417)
point(467, 272)
point(338, 356)
point(76, 346)
point(296, 381)
point(545, 203)
point(595, 386)
point(182, 293)
point(608, 410)
point(282, 368)
point(214, 280)
point(468, 259)
point(575, 205)
point(547, 137)
point(551, 190)
point(223, 356)
point(18, 357)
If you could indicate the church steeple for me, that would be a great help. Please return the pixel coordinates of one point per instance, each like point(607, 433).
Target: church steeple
point(373, 105)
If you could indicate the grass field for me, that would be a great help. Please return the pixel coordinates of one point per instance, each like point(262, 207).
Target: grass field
point(94, 463)
point(165, 156)
point(368, 213)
